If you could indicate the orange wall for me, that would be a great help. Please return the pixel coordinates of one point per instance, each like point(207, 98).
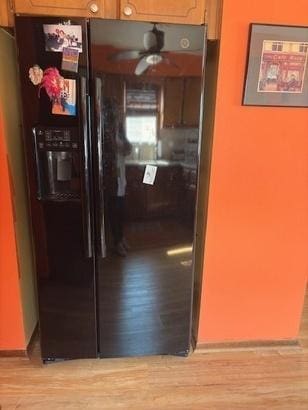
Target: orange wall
point(256, 246)
point(11, 321)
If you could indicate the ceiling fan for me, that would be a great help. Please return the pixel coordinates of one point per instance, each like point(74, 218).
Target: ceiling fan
point(153, 42)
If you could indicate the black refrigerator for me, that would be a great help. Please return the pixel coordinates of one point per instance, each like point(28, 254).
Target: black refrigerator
point(112, 128)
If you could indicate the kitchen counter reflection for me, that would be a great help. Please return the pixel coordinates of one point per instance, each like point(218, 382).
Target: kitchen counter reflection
point(156, 162)
point(159, 163)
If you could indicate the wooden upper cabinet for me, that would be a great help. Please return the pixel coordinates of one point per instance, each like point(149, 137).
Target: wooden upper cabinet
point(173, 102)
point(213, 18)
point(167, 11)
point(6, 13)
point(74, 8)
point(182, 102)
point(191, 102)
point(172, 11)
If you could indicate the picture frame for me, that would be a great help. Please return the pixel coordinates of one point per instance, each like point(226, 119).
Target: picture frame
point(277, 66)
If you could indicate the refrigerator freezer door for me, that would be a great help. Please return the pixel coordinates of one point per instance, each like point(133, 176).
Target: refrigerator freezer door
point(61, 215)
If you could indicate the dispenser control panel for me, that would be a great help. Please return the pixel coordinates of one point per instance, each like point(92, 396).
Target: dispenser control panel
point(58, 163)
point(56, 139)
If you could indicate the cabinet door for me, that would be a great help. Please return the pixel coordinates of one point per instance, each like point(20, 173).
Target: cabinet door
point(162, 198)
point(6, 13)
point(76, 8)
point(173, 11)
point(173, 102)
point(135, 199)
point(191, 102)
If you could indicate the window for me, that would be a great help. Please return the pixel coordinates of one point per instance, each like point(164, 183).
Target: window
point(141, 99)
point(303, 47)
point(141, 114)
point(141, 129)
point(277, 46)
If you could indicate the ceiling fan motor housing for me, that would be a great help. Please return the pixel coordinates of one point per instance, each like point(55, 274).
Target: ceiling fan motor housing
point(153, 40)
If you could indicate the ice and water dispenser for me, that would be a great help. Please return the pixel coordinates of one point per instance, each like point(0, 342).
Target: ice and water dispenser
point(58, 163)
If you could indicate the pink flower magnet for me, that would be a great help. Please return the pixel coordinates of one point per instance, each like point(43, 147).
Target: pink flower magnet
point(52, 82)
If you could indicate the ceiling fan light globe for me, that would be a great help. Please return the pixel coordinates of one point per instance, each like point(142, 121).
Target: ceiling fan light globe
point(154, 59)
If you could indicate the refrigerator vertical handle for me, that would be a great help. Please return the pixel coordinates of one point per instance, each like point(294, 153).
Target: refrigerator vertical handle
point(87, 196)
point(37, 166)
point(99, 134)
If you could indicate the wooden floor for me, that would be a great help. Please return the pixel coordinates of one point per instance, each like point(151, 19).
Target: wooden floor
point(260, 379)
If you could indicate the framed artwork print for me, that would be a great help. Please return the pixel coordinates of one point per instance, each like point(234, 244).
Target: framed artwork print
point(277, 66)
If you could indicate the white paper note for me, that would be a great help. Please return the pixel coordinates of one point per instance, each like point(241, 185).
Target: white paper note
point(149, 174)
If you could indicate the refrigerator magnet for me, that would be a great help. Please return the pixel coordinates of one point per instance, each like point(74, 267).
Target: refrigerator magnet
point(51, 82)
point(60, 90)
point(36, 74)
point(70, 58)
point(58, 36)
point(149, 174)
point(65, 104)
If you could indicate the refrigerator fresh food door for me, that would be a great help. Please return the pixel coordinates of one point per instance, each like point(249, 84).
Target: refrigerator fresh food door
point(146, 82)
point(54, 87)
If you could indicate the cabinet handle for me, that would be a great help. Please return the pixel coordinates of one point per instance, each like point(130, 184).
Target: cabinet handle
point(128, 11)
point(94, 8)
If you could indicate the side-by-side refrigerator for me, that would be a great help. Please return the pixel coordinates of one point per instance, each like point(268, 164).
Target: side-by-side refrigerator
point(111, 125)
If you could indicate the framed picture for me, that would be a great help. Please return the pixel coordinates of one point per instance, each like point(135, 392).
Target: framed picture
point(277, 66)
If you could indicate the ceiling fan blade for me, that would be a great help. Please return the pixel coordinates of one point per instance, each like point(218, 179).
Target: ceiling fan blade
point(142, 66)
point(125, 55)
